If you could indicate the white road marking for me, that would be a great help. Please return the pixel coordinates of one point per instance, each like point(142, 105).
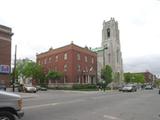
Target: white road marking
point(38, 106)
point(111, 117)
point(52, 104)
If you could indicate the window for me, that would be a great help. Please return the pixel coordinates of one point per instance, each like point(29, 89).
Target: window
point(78, 56)
point(65, 67)
point(78, 68)
point(55, 68)
point(50, 59)
point(65, 56)
point(45, 61)
point(108, 32)
point(92, 60)
point(86, 69)
point(85, 59)
point(56, 58)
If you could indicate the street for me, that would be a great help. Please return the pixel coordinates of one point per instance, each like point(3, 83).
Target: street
point(77, 105)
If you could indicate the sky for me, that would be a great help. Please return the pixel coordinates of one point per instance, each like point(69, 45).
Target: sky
point(40, 24)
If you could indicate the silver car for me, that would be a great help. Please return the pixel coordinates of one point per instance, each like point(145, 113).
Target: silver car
point(129, 88)
point(10, 106)
point(29, 88)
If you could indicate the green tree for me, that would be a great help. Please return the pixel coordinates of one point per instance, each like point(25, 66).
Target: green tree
point(28, 69)
point(134, 78)
point(107, 74)
point(34, 71)
point(138, 78)
point(127, 77)
point(157, 83)
point(54, 76)
point(19, 72)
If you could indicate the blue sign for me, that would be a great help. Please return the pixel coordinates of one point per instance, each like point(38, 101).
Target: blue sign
point(4, 69)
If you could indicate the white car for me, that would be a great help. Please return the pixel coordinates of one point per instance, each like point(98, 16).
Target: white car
point(30, 88)
point(129, 88)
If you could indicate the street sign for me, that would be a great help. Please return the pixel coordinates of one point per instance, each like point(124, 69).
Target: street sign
point(5, 69)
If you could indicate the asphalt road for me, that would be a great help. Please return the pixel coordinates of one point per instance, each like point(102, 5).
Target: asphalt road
point(69, 105)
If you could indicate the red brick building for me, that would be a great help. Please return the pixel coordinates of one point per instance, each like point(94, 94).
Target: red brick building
point(78, 65)
point(5, 53)
point(149, 77)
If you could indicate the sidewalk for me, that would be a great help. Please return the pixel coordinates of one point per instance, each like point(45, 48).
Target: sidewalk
point(98, 91)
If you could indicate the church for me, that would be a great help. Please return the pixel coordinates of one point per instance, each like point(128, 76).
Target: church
point(110, 51)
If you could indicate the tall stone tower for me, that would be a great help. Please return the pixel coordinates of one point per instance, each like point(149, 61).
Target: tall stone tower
point(112, 54)
point(110, 51)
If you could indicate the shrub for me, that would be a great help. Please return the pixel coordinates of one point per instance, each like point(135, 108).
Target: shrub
point(83, 86)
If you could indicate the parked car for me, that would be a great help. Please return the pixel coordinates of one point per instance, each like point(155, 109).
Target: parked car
point(120, 87)
point(29, 88)
point(38, 87)
point(129, 88)
point(41, 88)
point(148, 87)
point(10, 106)
point(3, 87)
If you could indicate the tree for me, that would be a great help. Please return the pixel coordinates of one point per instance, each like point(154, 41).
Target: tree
point(54, 76)
point(34, 71)
point(127, 77)
point(138, 78)
point(19, 72)
point(157, 83)
point(29, 69)
point(134, 78)
point(107, 74)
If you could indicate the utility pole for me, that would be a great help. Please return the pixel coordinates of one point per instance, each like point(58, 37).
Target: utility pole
point(14, 70)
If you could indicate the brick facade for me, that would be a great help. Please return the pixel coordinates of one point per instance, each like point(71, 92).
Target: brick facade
point(149, 77)
point(5, 51)
point(78, 65)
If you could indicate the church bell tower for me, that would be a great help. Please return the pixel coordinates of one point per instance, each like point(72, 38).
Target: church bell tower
point(112, 48)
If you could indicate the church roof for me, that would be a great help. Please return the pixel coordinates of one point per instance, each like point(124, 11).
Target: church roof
point(97, 49)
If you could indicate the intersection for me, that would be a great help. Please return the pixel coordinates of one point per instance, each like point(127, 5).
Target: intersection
point(77, 105)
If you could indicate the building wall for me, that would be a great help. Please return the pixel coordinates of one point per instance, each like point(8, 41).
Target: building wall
point(149, 77)
point(5, 52)
point(73, 74)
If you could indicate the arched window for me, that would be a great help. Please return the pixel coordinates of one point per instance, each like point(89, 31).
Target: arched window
point(108, 32)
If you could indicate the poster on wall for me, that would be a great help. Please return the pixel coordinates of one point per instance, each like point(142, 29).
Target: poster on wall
point(5, 69)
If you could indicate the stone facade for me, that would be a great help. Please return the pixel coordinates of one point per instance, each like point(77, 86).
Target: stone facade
point(5, 53)
point(110, 51)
